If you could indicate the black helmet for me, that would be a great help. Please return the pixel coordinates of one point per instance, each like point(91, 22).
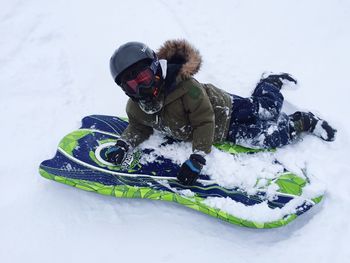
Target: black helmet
point(127, 55)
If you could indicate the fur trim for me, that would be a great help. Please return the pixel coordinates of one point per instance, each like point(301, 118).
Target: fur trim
point(180, 51)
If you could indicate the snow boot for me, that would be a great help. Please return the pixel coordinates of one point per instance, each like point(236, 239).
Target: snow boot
point(308, 122)
point(278, 80)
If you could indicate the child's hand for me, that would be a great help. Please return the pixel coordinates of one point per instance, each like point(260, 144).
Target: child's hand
point(116, 154)
point(190, 170)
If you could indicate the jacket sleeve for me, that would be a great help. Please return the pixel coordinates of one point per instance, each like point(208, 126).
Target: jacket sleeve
point(136, 132)
point(201, 116)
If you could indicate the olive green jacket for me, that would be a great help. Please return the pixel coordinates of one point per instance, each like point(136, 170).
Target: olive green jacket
point(192, 112)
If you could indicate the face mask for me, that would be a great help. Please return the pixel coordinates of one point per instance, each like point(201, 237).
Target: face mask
point(151, 106)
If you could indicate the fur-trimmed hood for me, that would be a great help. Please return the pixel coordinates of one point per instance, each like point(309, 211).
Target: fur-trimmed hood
point(181, 52)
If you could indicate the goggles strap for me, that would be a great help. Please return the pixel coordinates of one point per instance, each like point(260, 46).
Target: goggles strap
point(154, 65)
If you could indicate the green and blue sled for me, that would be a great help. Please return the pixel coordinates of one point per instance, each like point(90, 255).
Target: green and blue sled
point(80, 162)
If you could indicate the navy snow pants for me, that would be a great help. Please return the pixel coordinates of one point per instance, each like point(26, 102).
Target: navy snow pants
point(257, 122)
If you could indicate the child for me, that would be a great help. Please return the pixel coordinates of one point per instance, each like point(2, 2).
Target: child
point(164, 96)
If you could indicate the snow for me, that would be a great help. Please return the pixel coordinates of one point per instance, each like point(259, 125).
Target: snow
point(259, 213)
point(54, 70)
point(227, 170)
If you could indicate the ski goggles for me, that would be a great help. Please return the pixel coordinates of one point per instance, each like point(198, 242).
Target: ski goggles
point(142, 84)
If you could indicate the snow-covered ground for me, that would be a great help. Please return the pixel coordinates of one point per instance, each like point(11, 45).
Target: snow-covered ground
point(54, 70)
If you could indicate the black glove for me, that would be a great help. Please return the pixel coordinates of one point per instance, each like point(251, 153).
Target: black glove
point(116, 154)
point(277, 79)
point(190, 170)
